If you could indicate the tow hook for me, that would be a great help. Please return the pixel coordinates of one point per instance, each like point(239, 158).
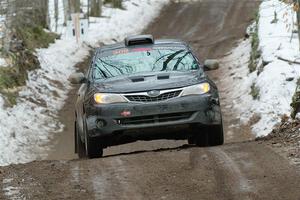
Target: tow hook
point(215, 101)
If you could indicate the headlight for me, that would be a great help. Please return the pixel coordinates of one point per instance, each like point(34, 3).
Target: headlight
point(104, 98)
point(196, 89)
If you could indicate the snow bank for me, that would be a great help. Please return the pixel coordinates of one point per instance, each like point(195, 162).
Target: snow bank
point(25, 129)
point(275, 92)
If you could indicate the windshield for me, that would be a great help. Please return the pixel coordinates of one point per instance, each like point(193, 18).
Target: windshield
point(143, 60)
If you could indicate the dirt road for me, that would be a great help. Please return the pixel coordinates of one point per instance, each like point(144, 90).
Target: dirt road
point(240, 169)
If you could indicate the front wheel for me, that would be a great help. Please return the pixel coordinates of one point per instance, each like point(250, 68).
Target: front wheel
point(93, 149)
point(209, 136)
point(79, 145)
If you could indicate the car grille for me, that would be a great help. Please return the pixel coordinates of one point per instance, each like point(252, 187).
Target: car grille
point(145, 98)
point(151, 119)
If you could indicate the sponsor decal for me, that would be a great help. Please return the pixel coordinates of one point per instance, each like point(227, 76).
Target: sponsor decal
point(141, 49)
point(120, 51)
point(126, 113)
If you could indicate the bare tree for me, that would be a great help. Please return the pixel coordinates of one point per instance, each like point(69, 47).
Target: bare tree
point(66, 11)
point(297, 9)
point(10, 11)
point(74, 6)
point(117, 3)
point(56, 14)
point(96, 8)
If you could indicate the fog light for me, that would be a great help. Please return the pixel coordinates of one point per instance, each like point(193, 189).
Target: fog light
point(100, 123)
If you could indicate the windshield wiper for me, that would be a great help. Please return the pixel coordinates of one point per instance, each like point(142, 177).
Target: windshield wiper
point(161, 57)
point(101, 71)
point(179, 61)
point(170, 58)
point(111, 65)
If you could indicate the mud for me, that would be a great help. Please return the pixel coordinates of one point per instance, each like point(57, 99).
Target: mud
point(285, 139)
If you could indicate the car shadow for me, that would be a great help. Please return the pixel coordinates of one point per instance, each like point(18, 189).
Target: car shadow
point(178, 148)
point(185, 146)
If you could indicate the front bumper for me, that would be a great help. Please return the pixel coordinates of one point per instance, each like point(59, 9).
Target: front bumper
point(196, 109)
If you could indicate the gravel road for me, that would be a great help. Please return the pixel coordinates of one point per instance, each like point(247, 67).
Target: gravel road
point(240, 169)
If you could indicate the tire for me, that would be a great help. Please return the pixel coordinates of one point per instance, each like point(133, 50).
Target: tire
point(93, 149)
point(217, 136)
point(191, 140)
point(79, 145)
point(211, 136)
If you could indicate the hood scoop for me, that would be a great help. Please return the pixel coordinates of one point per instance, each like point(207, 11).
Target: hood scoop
point(137, 79)
point(142, 78)
point(163, 76)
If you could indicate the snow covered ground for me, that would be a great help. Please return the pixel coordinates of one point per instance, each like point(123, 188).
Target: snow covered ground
point(25, 128)
point(277, 82)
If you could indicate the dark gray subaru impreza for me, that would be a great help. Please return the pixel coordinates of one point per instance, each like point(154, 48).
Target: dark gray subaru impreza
point(145, 89)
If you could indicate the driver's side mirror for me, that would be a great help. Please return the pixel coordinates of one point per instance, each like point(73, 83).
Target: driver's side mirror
point(77, 78)
point(211, 64)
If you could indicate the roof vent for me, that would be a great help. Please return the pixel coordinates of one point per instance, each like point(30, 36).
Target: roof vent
point(138, 40)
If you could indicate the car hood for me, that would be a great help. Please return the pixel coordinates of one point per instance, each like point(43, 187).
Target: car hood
point(148, 82)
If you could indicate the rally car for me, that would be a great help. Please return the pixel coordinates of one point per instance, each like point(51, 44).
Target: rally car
point(145, 89)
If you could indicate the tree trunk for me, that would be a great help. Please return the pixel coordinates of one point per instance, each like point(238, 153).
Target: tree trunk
point(11, 9)
point(74, 6)
point(67, 15)
point(297, 9)
point(117, 3)
point(93, 12)
point(56, 14)
point(298, 21)
point(96, 8)
point(88, 11)
point(39, 13)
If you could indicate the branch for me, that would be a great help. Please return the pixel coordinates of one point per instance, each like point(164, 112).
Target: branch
point(290, 61)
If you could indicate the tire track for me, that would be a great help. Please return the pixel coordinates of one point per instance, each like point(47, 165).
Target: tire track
point(227, 169)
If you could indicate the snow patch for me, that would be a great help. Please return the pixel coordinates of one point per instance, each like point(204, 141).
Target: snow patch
point(275, 92)
point(10, 191)
point(3, 62)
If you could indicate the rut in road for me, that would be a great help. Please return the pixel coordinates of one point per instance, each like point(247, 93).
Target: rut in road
point(166, 169)
point(235, 171)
